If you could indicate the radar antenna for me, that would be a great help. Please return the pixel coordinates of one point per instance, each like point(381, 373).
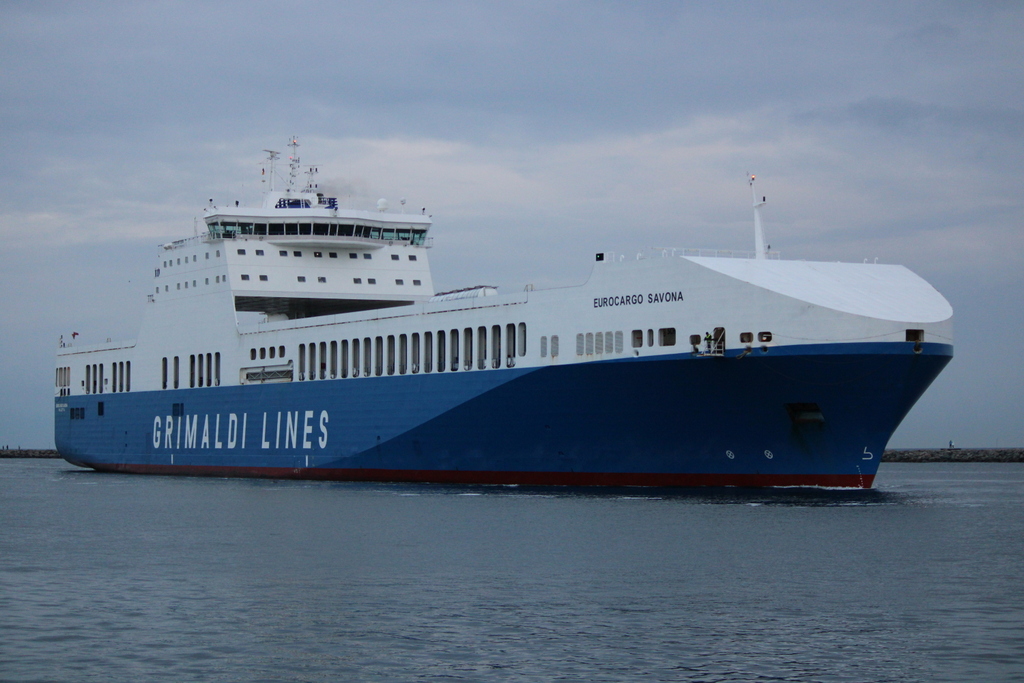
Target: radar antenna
point(759, 248)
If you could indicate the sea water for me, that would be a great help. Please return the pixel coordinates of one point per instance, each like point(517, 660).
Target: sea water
point(141, 578)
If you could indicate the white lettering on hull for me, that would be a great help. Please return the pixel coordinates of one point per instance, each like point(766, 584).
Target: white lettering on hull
point(167, 431)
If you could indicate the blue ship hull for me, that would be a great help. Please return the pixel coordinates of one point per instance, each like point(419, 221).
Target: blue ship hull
point(813, 415)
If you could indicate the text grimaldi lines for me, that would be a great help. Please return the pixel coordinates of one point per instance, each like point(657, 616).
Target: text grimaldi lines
point(283, 429)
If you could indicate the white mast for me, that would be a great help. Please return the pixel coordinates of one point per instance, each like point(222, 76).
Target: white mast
point(759, 248)
point(273, 157)
point(293, 162)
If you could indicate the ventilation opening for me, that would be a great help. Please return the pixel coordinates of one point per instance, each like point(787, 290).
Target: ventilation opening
point(805, 413)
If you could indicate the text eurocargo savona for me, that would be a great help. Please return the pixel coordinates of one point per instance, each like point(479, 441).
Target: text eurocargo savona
point(637, 299)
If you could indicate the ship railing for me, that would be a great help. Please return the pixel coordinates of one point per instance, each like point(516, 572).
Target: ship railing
point(178, 244)
point(673, 252)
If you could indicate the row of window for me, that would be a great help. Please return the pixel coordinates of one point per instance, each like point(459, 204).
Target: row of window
point(322, 279)
point(197, 363)
point(444, 350)
point(120, 378)
point(170, 262)
point(63, 381)
point(231, 228)
point(204, 371)
point(273, 351)
point(331, 254)
point(77, 413)
point(216, 278)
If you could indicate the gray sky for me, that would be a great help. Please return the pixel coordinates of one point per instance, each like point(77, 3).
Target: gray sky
point(535, 134)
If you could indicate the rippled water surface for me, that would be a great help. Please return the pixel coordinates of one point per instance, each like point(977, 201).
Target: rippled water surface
point(128, 578)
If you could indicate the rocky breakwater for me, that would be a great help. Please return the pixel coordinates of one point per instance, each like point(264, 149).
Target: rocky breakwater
point(27, 453)
point(955, 455)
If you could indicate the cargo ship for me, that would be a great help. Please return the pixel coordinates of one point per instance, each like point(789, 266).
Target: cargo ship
point(301, 339)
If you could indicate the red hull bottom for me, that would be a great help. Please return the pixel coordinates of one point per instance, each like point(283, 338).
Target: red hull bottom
point(504, 478)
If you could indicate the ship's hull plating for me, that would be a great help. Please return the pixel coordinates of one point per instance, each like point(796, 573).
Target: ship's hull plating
point(816, 415)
